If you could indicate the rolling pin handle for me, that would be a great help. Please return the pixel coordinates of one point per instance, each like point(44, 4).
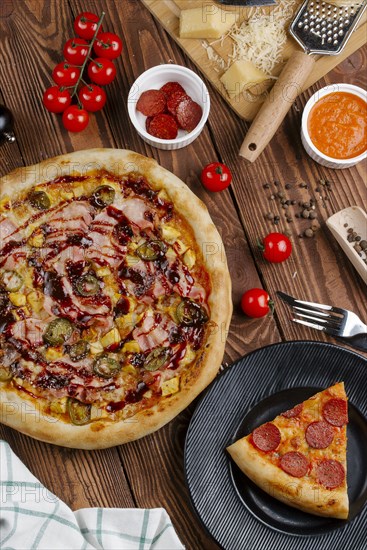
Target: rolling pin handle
point(277, 104)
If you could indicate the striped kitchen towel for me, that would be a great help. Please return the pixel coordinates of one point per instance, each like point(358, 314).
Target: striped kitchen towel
point(33, 518)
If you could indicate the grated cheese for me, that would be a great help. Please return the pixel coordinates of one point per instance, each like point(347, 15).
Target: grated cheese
point(219, 63)
point(261, 39)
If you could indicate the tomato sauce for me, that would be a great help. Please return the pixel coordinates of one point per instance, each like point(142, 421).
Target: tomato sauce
point(337, 125)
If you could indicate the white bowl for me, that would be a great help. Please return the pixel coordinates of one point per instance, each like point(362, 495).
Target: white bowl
point(154, 79)
point(314, 153)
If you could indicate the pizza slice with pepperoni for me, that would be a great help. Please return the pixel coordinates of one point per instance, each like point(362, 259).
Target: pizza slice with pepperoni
point(300, 457)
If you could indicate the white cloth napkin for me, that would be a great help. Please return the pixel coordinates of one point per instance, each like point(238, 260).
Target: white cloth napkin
point(33, 518)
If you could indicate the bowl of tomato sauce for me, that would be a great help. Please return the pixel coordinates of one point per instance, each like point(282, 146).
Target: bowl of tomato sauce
point(334, 126)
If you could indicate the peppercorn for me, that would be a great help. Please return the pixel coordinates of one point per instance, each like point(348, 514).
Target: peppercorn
point(308, 233)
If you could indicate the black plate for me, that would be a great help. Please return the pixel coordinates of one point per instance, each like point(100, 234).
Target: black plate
point(254, 390)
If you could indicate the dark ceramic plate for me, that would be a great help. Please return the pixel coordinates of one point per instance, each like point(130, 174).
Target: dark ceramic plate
point(254, 390)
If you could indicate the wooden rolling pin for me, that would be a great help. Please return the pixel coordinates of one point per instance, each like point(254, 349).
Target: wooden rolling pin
point(277, 104)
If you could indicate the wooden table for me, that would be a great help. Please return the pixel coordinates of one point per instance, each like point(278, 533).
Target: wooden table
point(149, 472)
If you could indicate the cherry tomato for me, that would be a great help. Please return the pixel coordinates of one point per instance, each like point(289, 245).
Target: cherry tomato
point(101, 71)
point(108, 45)
point(55, 100)
point(92, 97)
point(65, 75)
point(256, 302)
point(76, 50)
point(216, 176)
point(75, 119)
point(276, 247)
point(85, 25)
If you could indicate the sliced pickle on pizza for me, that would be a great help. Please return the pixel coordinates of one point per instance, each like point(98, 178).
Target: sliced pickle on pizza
point(113, 307)
point(300, 456)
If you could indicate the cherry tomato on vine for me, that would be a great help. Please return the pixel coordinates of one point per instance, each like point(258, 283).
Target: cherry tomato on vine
point(92, 97)
point(65, 75)
point(256, 302)
point(76, 50)
point(85, 25)
point(101, 71)
point(108, 45)
point(55, 100)
point(276, 247)
point(216, 176)
point(75, 119)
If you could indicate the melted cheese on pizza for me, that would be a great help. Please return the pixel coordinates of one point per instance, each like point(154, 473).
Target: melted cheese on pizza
point(103, 296)
point(293, 433)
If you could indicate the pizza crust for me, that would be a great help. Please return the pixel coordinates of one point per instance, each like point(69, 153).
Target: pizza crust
point(26, 414)
point(295, 492)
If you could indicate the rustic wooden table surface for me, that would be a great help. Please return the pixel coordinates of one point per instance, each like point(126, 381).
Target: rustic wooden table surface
point(149, 472)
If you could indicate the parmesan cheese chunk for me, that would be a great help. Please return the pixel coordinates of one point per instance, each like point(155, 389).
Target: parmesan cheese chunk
point(240, 76)
point(208, 21)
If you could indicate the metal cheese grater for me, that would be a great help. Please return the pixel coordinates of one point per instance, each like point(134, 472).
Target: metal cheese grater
point(322, 28)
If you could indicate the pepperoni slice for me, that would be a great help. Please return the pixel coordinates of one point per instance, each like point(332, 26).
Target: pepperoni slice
point(147, 122)
point(335, 412)
point(330, 473)
point(294, 463)
point(163, 127)
point(266, 437)
point(292, 413)
point(171, 88)
point(174, 100)
point(319, 435)
point(189, 114)
point(151, 102)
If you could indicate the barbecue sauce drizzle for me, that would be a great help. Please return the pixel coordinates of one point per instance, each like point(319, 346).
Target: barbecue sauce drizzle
point(51, 284)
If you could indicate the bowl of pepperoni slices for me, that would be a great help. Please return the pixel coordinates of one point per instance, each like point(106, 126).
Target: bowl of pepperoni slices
point(168, 106)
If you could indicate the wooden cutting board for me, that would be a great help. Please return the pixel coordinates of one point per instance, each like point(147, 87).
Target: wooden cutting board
point(245, 105)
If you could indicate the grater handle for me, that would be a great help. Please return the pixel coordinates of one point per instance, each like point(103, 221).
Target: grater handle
point(277, 104)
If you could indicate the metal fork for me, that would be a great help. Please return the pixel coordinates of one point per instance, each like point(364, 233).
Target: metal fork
point(336, 321)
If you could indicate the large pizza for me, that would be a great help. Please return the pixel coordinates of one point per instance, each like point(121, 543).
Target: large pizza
point(114, 298)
